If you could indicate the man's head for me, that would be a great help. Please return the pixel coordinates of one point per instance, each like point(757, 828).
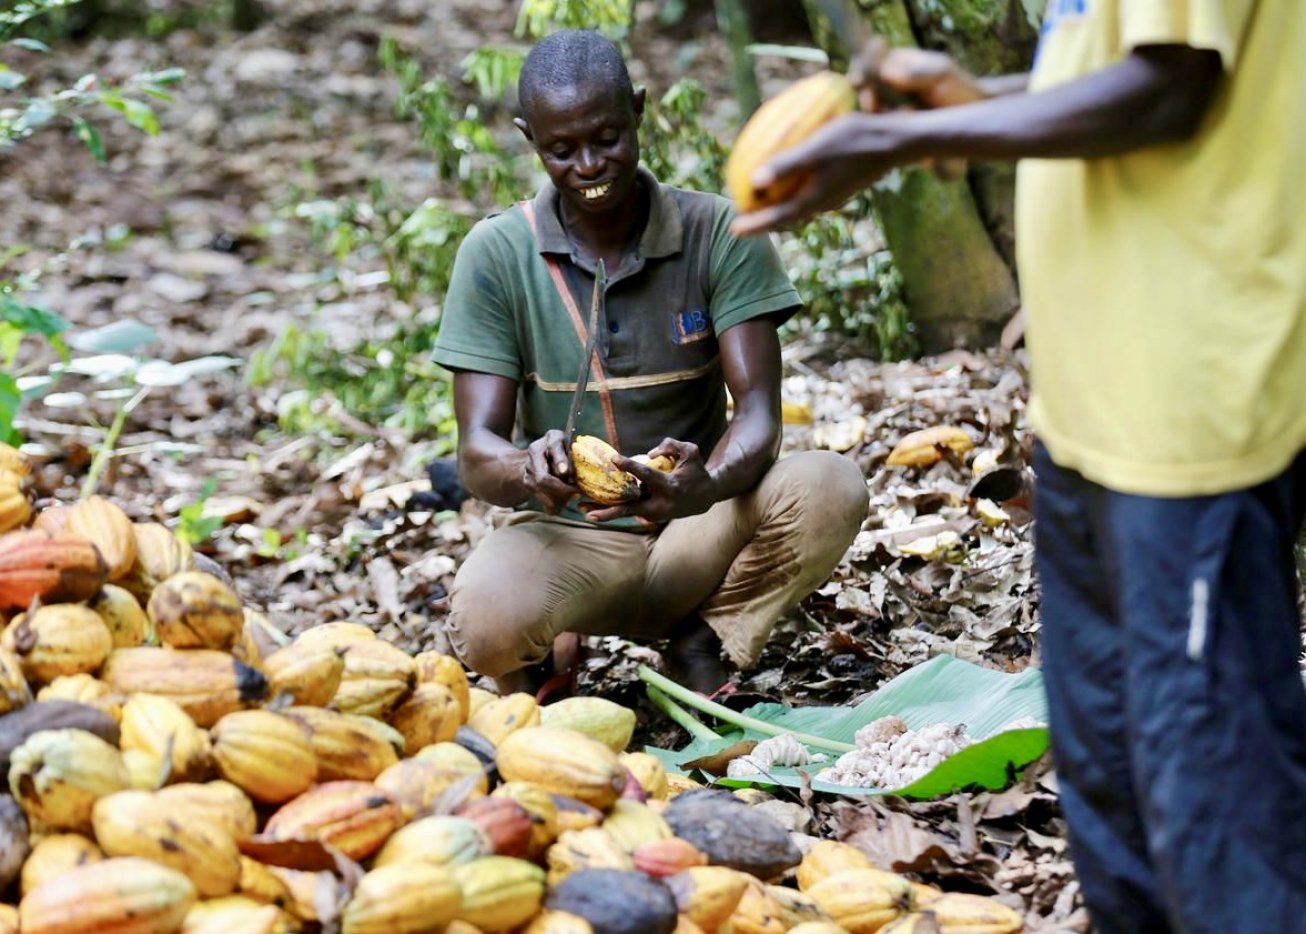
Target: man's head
point(581, 113)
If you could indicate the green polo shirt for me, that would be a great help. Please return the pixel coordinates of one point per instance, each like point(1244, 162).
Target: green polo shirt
point(687, 281)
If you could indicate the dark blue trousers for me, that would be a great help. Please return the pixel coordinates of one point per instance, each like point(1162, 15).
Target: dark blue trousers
point(1170, 640)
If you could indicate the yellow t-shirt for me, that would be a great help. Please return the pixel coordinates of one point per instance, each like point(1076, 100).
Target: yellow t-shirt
point(1166, 289)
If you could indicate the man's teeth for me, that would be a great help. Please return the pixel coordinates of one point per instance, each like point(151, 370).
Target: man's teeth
point(598, 191)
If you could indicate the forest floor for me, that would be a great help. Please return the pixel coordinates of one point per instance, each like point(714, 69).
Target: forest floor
point(193, 233)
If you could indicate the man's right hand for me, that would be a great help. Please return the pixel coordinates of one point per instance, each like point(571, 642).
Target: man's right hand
point(547, 473)
point(932, 78)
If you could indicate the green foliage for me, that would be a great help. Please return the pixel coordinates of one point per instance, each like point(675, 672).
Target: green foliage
point(195, 527)
point(540, 17)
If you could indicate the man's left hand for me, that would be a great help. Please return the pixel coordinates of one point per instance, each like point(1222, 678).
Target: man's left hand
point(686, 490)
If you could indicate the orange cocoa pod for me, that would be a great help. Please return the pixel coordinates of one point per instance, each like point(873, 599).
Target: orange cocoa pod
point(505, 822)
point(354, 817)
point(661, 858)
point(56, 567)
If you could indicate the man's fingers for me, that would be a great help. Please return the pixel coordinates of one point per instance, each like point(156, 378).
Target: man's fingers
point(766, 219)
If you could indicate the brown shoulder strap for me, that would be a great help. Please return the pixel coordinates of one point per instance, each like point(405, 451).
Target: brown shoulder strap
point(597, 375)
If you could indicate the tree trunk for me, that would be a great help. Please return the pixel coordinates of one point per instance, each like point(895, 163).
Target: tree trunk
point(951, 242)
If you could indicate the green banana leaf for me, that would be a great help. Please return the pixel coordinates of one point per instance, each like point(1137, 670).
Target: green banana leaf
point(944, 689)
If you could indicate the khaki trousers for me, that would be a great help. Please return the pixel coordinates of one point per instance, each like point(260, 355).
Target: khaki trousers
point(741, 565)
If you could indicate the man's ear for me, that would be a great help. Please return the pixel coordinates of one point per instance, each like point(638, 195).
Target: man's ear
point(525, 128)
point(638, 102)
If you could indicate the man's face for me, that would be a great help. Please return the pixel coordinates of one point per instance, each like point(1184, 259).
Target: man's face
point(586, 136)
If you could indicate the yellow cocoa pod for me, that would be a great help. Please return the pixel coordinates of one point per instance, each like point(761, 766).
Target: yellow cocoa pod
point(56, 854)
point(232, 913)
point(784, 120)
point(563, 762)
point(257, 883)
point(58, 639)
point(309, 674)
point(925, 447)
point(552, 921)
point(158, 727)
point(795, 907)
point(144, 772)
point(354, 817)
point(923, 893)
point(686, 926)
point(313, 895)
point(14, 692)
point(135, 823)
point(347, 746)
point(678, 783)
point(8, 919)
point(757, 912)
point(863, 900)
point(504, 715)
point(14, 460)
point(206, 683)
point(258, 639)
point(707, 895)
point(461, 927)
point(476, 699)
point(403, 898)
point(128, 623)
point(963, 913)
point(107, 527)
point(442, 840)
point(218, 801)
point(416, 784)
point(436, 668)
point(827, 857)
point(648, 771)
point(431, 714)
point(539, 804)
point(597, 476)
point(334, 635)
point(15, 509)
point(159, 555)
point(499, 892)
point(819, 927)
point(83, 689)
point(268, 756)
point(916, 922)
point(194, 610)
point(57, 775)
point(601, 719)
point(633, 824)
point(377, 677)
point(123, 896)
point(592, 848)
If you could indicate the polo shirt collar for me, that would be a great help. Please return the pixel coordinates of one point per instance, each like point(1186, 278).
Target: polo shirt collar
point(664, 234)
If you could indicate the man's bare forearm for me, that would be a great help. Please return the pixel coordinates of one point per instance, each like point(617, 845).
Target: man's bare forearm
point(1002, 85)
point(1138, 102)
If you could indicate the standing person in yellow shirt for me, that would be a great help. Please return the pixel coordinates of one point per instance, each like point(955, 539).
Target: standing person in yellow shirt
point(1161, 239)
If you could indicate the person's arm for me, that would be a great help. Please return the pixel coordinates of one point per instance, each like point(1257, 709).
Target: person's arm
point(490, 465)
point(1157, 94)
point(750, 361)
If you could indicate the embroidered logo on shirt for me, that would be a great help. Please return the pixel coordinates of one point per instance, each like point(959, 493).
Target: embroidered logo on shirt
point(690, 326)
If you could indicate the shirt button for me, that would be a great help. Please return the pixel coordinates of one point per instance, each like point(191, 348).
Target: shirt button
point(614, 327)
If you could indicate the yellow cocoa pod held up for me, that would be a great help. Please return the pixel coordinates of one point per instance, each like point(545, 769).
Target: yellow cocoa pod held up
point(788, 118)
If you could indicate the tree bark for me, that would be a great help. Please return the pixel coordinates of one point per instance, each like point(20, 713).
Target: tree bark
point(960, 287)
